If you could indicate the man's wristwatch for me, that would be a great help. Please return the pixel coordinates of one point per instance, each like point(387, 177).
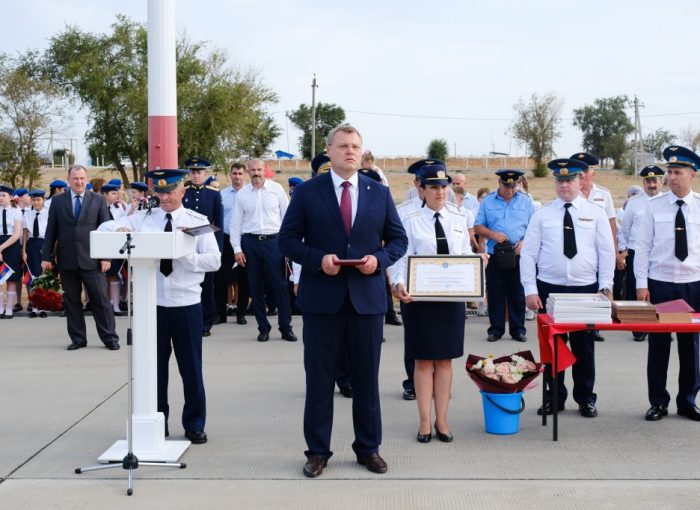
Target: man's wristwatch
point(605, 291)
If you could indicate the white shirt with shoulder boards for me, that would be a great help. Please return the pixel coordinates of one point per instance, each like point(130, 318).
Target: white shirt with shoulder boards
point(542, 254)
point(420, 230)
point(181, 287)
point(601, 197)
point(634, 212)
point(12, 214)
point(655, 252)
point(28, 221)
point(257, 211)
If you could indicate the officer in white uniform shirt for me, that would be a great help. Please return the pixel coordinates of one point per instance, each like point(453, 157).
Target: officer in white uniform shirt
point(178, 293)
point(652, 177)
point(568, 247)
point(667, 267)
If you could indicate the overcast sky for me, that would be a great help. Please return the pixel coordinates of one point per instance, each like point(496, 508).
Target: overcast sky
point(407, 72)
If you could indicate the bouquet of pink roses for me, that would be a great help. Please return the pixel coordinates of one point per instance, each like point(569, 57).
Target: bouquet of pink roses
point(507, 374)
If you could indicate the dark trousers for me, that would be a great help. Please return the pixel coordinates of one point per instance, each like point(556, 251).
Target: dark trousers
point(243, 295)
point(324, 337)
point(180, 330)
point(389, 299)
point(342, 378)
point(223, 278)
point(660, 349)
point(264, 258)
point(582, 346)
point(95, 284)
point(503, 287)
point(409, 364)
point(209, 309)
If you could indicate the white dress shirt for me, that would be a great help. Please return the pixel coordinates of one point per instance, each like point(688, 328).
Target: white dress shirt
point(601, 197)
point(420, 230)
point(258, 211)
point(28, 221)
point(542, 254)
point(655, 253)
point(181, 287)
point(338, 188)
point(13, 214)
point(634, 211)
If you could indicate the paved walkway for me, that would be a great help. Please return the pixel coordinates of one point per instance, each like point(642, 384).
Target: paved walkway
point(61, 410)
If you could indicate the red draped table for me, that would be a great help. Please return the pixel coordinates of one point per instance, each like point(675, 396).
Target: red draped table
point(554, 351)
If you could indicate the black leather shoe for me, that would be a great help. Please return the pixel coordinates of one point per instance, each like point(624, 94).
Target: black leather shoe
point(392, 320)
point(76, 345)
point(445, 438)
point(587, 410)
point(424, 438)
point(598, 337)
point(690, 412)
point(492, 338)
point(112, 346)
point(521, 338)
point(289, 336)
point(196, 437)
point(241, 320)
point(33, 315)
point(206, 332)
point(655, 413)
point(314, 466)
point(548, 408)
point(17, 308)
point(640, 337)
point(346, 391)
point(374, 463)
point(409, 394)
point(43, 315)
point(264, 335)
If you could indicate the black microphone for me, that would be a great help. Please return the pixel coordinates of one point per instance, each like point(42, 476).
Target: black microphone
point(151, 203)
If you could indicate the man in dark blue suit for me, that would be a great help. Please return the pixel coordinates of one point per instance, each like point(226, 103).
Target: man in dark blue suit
point(342, 218)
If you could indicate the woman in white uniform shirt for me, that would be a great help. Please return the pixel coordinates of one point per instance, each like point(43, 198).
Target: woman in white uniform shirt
point(10, 230)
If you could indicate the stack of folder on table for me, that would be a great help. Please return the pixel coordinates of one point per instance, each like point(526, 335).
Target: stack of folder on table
point(676, 311)
point(634, 311)
point(579, 308)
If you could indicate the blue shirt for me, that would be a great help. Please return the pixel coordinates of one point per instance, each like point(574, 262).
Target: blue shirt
point(228, 198)
point(511, 218)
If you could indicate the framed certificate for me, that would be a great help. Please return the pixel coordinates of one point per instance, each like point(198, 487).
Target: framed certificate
point(445, 277)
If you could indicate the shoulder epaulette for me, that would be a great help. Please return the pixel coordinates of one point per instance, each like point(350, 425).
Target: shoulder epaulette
point(197, 215)
point(211, 188)
point(414, 214)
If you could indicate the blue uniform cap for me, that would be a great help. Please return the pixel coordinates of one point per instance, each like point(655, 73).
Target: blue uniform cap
point(651, 171)
point(320, 164)
point(509, 178)
point(196, 163)
point(678, 156)
point(36, 193)
point(141, 186)
point(6, 189)
point(294, 181)
point(368, 172)
point(589, 159)
point(425, 165)
point(89, 186)
point(432, 174)
point(209, 180)
point(106, 188)
point(166, 180)
point(115, 182)
point(567, 168)
point(58, 183)
point(20, 192)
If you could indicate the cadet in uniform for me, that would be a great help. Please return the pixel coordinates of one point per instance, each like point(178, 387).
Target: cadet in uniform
point(652, 177)
point(667, 267)
point(139, 194)
point(206, 200)
point(56, 187)
point(502, 219)
point(179, 310)
point(568, 247)
point(24, 204)
point(10, 250)
point(34, 228)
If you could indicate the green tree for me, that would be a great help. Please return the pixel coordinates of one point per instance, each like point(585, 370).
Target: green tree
point(221, 111)
point(605, 127)
point(656, 141)
point(437, 149)
point(328, 116)
point(536, 126)
point(28, 109)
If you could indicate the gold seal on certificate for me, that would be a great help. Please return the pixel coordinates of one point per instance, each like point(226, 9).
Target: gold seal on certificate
point(445, 277)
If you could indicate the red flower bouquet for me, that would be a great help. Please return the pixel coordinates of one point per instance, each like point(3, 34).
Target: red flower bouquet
point(46, 292)
point(507, 374)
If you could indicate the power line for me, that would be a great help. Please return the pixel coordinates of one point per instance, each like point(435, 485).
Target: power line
point(383, 114)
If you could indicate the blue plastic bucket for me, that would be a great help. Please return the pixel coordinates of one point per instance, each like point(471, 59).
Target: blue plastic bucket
point(502, 412)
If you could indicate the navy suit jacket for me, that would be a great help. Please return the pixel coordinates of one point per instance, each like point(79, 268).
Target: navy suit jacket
point(313, 227)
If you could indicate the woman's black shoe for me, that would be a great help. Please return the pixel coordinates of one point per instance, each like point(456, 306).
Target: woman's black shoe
point(445, 438)
point(424, 438)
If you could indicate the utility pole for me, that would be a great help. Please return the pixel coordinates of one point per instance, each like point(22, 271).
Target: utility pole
point(638, 139)
point(313, 117)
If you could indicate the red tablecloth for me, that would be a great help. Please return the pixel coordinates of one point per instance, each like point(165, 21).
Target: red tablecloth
point(547, 330)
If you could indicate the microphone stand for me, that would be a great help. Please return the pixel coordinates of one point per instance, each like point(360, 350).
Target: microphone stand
point(130, 461)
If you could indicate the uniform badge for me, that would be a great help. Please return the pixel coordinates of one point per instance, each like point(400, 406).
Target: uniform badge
point(564, 171)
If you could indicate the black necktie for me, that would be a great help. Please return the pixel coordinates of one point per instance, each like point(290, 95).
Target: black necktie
point(569, 234)
point(681, 236)
point(166, 265)
point(35, 228)
point(4, 222)
point(442, 246)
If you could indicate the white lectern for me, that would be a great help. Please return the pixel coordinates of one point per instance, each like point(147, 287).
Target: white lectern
point(147, 248)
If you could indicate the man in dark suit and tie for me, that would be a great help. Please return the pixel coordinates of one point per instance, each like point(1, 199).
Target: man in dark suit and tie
point(72, 217)
point(340, 218)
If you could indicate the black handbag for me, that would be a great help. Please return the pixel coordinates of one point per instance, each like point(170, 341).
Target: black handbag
point(504, 255)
